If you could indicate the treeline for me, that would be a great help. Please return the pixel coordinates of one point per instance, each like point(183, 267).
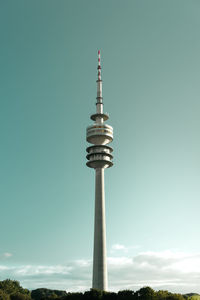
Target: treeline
point(11, 290)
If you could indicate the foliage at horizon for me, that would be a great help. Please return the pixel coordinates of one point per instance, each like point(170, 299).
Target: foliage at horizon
point(11, 290)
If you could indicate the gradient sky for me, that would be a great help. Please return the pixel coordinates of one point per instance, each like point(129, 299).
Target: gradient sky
point(151, 87)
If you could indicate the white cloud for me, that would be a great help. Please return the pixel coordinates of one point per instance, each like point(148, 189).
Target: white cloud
point(118, 247)
point(42, 270)
point(175, 271)
point(119, 261)
point(7, 254)
point(3, 268)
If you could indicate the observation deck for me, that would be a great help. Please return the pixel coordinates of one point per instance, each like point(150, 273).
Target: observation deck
point(99, 134)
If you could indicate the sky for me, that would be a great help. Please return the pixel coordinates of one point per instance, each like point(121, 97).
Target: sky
point(151, 87)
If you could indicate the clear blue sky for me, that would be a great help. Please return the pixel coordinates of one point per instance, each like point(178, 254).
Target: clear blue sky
point(151, 88)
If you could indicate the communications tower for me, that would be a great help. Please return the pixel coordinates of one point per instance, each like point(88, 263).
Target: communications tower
point(99, 158)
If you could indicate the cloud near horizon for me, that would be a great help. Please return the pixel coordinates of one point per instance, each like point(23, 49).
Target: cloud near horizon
point(5, 255)
point(116, 248)
point(169, 270)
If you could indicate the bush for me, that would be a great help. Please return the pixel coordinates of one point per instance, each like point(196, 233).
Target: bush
point(3, 295)
point(20, 296)
point(12, 287)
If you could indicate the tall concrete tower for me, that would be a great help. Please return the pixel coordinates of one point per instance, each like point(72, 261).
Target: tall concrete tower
point(99, 157)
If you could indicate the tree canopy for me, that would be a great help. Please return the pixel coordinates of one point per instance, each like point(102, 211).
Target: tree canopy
point(11, 290)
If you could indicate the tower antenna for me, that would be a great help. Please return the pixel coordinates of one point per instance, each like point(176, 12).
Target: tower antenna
point(99, 65)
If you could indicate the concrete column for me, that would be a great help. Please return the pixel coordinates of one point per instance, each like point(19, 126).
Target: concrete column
point(99, 255)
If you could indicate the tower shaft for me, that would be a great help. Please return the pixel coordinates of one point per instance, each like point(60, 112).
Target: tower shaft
point(99, 256)
point(99, 158)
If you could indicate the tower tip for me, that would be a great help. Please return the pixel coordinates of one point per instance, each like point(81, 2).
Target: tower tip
point(99, 65)
point(99, 58)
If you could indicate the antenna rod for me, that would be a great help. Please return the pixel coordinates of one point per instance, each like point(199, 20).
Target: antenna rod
point(99, 65)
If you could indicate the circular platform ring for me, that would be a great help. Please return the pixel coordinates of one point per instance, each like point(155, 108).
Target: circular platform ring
point(97, 139)
point(99, 134)
point(95, 164)
point(99, 146)
point(98, 153)
point(95, 116)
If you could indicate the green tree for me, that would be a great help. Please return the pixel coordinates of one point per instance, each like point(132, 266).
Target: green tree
point(42, 293)
point(109, 296)
point(145, 293)
point(4, 296)
point(73, 296)
point(12, 287)
point(20, 296)
point(52, 297)
point(93, 294)
point(125, 295)
point(175, 297)
point(162, 295)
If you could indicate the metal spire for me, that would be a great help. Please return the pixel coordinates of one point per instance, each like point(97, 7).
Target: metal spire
point(99, 107)
point(99, 66)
